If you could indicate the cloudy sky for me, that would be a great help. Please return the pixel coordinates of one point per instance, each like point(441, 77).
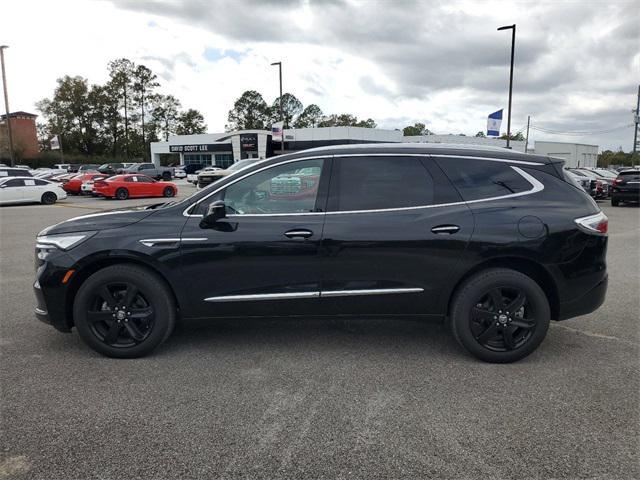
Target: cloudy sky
point(398, 62)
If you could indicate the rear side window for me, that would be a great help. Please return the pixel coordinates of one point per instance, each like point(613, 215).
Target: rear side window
point(41, 182)
point(478, 179)
point(372, 183)
point(630, 175)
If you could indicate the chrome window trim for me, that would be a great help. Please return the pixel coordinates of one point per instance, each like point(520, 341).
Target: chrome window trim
point(536, 186)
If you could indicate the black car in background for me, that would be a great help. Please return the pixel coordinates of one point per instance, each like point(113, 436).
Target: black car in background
point(626, 188)
point(494, 242)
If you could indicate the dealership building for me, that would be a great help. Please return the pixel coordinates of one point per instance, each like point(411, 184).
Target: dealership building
point(224, 149)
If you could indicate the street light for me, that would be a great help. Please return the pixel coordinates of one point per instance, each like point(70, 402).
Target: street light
point(6, 103)
point(513, 45)
point(279, 64)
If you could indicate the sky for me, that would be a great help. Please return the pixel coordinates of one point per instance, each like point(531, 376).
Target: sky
point(577, 63)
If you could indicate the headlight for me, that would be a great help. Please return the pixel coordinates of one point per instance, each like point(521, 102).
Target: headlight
point(64, 241)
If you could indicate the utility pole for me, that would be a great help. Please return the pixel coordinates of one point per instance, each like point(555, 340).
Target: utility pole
point(526, 140)
point(6, 105)
point(513, 46)
point(281, 110)
point(636, 120)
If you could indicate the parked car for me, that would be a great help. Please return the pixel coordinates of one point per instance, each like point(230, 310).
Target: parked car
point(626, 188)
point(111, 168)
point(206, 178)
point(29, 190)
point(86, 188)
point(74, 184)
point(193, 177)
point(495, 242)
point(88, 167)
point(25, 167)
point(602, 185)
point(179, 173)
point(150, 170)
point(133, 186)
point(192, 168)
point(589, 185)
point(14, 172)
point(63, 166)
point(604, 179)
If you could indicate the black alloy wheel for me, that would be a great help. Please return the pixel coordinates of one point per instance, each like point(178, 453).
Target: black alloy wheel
point(502, 319)
point(124, 311)
point(168, 192)
point(500, 315)
point(122, 194)
point(48, 198)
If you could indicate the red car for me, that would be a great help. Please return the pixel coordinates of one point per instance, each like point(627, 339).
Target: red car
point(73, 184)
point(133, 185)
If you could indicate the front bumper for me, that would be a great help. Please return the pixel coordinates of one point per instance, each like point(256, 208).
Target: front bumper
point(586, 303)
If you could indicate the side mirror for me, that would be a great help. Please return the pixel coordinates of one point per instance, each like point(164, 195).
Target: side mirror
point(216, 211)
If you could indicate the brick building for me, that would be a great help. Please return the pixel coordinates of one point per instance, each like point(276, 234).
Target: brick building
point(23, 133)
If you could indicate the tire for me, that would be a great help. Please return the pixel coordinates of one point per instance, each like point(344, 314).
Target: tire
point(516, 333)
point(166, 176)
point(168, 192)
point(615, 202)
point(135, 315)
point(48, 198)
point(122, 194)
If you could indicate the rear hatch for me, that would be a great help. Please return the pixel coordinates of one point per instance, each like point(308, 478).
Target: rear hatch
point(628, 181)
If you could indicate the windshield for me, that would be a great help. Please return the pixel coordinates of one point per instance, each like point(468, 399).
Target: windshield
point(240, 165)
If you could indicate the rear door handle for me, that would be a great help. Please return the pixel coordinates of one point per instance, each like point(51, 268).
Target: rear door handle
point(298, 233)
point(449, 229)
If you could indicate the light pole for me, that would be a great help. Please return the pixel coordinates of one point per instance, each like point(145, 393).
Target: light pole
point(6, 104)
point(279, 64)
point(513, 45)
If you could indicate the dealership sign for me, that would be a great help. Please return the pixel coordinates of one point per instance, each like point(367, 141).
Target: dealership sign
point(190, 148)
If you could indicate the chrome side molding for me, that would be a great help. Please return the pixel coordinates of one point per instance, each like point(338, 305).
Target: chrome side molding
point(156, 242)
point(315, 294)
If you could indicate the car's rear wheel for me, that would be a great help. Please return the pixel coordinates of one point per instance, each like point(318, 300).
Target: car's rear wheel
point(122, 194)
point(48, 198)
point(500, 315)
point(168, 192)
point(615, 202)
point(124, 311)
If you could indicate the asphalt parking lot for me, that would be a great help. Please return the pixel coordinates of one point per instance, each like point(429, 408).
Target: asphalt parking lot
point(317, 399)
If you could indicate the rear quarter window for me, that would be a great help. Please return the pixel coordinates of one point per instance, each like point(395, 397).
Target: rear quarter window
point(479, 179)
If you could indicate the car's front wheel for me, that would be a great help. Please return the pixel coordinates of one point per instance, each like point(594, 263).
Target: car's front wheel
point(124, 311)
point(168, 192)
point(48, 198)
point(500, 315)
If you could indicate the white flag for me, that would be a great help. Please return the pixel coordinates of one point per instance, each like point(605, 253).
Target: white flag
point(55, 143)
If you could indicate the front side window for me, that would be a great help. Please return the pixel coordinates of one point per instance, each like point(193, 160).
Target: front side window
point(372, 183)
point(478, 179)
point(288, 188)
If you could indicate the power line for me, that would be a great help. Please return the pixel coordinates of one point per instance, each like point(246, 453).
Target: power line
point(583, 133)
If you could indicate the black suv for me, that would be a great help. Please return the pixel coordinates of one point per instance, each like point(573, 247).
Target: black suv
point(626, 188)
point(495, 242)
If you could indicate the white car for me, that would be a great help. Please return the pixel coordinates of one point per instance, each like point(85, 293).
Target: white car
point(179, 173)
point(87, 187)
point(193, 177)
point(29, 190)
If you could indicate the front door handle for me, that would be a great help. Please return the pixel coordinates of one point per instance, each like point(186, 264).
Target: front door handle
point(298, 233)
point(449, 229)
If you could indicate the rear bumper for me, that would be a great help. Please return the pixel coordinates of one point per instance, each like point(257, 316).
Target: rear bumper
point(587, 303)
point(630, 195)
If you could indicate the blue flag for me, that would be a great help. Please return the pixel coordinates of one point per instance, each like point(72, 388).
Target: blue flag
point(493, 124)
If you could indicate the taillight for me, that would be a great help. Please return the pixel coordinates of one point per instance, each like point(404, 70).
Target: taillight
point(617, 181)
point(598, 185)
point(597, 224)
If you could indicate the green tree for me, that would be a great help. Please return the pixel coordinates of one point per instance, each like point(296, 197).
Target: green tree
point(144, 82)
point(480, 134)
point(310, 117)
point(190, 122)
point(249, 112)
point(416, 129)
point(165, 113)
point(518, 136)
point(291, 107)
point(368, 123)
point(121, 74)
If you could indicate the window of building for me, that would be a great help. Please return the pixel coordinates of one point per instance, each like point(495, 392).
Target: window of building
point(477, 179)
point(289, 188)
point(223, 160)
point(371, 183)
point(197, 159)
